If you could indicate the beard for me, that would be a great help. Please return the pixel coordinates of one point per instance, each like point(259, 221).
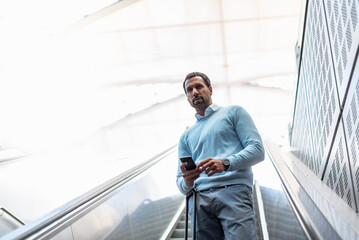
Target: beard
point(198, 100)
point(200, 103)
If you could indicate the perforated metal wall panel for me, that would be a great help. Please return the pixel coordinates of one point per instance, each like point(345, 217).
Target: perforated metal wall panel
point(342, 18)
point(317, 106)
point(351, 127)
point(325, 134)
point(337, 176)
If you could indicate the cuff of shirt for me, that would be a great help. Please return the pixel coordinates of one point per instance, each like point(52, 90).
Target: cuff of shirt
point(185, 187)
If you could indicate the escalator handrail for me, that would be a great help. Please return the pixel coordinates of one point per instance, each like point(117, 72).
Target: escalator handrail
point(307, 226)
point(53, 220)
point(18, 220)
point(261, 212)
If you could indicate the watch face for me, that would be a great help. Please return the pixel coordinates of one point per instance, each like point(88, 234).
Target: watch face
point(225, 162)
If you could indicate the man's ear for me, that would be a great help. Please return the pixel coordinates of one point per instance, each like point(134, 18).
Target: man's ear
point(210, 89)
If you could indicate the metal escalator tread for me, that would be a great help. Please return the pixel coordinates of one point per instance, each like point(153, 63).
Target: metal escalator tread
point(179, 231)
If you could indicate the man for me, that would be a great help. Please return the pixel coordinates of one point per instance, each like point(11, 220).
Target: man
point(224, 143)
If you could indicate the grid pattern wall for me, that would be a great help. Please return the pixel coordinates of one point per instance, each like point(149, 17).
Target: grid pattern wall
point(325, 134)
point(337, 176)
point(342, 17)
point(351, 127)
point(317, 106)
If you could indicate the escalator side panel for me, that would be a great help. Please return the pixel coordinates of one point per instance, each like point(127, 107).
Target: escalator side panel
point(143, 209)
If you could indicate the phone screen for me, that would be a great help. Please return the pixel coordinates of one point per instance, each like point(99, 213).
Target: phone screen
point(191, 165)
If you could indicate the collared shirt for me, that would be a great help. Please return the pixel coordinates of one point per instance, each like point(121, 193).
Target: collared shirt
point(210, 109)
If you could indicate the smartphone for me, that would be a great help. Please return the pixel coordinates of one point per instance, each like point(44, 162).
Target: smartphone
point(190, 163)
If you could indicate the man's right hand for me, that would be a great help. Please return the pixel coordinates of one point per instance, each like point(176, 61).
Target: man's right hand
point(189, 176)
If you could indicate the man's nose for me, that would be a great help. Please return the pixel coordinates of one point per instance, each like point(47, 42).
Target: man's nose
point(195, 92)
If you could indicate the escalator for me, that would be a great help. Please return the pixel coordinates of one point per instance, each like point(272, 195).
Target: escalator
point(280, 221)
point(144, 203)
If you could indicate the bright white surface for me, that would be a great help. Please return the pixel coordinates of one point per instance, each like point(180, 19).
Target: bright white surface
point(61, 84)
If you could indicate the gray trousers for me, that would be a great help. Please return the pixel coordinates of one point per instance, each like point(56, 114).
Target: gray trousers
point(224, 213)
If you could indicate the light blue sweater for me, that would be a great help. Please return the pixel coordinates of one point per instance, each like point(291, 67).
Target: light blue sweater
point(224, 132)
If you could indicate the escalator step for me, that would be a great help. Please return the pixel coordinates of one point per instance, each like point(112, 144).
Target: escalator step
point(180, 238)
point(179, 233)
point(182, 224)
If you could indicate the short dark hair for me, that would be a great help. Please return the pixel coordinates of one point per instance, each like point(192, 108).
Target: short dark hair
point(195, 74)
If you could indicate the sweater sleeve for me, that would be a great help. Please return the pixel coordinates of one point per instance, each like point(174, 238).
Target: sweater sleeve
point(182, 152)
point(253, 150)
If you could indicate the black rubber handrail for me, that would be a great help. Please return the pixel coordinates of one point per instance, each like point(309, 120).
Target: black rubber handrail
point(55, 219)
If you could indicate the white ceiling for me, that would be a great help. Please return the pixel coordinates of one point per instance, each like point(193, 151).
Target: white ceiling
point(130, 55)
point(231, 40)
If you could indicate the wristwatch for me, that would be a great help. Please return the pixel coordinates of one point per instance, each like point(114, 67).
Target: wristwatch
point(225, 163)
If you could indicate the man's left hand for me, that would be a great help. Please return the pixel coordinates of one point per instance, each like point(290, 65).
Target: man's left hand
point(211, 166)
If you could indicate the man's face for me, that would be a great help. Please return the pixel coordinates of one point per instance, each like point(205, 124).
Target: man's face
point(198, 94)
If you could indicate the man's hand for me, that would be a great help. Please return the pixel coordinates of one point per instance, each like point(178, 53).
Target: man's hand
point(189, 176)
point(211, 166)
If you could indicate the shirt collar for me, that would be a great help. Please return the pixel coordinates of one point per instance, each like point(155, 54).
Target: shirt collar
point(209, 110)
